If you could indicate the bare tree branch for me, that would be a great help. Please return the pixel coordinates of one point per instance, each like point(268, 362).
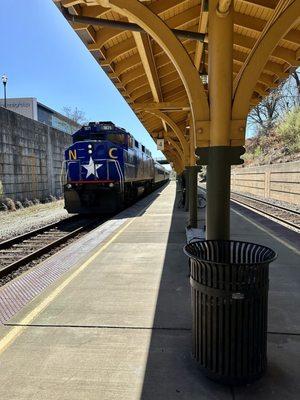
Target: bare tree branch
point(75, 114)
point(264, 117)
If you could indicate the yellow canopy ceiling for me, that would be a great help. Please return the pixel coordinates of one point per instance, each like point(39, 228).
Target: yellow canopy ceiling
point(266, 31)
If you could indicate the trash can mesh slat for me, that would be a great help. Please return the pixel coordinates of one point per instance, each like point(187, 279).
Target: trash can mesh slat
point(229, 293)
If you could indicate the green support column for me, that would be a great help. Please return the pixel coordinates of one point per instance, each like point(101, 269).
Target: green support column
point(193, 196)
point(218, 160)
point(218, 198)
point(186, 177)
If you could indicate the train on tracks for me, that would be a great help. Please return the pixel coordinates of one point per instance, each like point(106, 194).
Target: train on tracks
point(106, 168)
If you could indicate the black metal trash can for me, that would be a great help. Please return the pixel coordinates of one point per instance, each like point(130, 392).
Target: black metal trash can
point(229, 288)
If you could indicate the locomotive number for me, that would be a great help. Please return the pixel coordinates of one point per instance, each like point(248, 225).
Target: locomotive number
point(72, 154)
point(110, 152)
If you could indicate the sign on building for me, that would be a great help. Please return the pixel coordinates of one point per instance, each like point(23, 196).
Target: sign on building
point(26, 106)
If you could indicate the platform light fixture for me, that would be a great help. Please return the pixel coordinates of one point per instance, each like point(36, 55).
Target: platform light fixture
point(204, 78)
point(203, 72)
point(4, 81)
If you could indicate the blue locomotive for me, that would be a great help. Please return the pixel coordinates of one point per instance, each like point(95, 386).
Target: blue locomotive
point(107, 168)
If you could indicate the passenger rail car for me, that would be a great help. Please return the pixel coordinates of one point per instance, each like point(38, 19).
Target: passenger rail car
point(107, 168)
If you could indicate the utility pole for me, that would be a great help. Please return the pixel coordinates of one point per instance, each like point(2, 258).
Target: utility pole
point(4, 81)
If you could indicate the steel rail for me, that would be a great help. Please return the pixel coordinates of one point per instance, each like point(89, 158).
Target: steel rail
point(18, 239)
point(267, 203)
point(6, 269)
point(263, 212)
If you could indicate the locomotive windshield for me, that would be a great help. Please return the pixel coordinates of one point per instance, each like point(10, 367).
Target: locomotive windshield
point(101, 131)
point(119, 138)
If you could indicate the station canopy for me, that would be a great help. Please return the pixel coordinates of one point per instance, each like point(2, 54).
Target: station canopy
point(140, 57)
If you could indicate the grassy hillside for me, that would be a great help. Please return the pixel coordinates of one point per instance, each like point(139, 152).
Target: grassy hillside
point(280, 144)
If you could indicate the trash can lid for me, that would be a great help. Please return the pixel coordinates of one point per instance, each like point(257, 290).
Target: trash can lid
point(229, 252)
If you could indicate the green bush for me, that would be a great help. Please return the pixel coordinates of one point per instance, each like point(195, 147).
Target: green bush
point(289, 131)
point(258, 152)
point(10, 204)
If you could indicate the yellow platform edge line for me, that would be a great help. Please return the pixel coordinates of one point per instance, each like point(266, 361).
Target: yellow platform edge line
point(285, 243)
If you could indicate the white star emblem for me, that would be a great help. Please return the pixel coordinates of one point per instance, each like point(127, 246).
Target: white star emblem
point(91, 168)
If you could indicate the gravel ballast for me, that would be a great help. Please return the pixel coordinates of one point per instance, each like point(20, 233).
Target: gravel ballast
point(13, 223)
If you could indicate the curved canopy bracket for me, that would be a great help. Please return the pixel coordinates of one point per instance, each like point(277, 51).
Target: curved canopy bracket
point(248, 76)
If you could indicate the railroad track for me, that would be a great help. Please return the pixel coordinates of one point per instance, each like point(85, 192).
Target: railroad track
point(281, 214)
point(288, 217)
point(22, 249)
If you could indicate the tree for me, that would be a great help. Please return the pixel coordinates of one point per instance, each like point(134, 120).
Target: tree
point(292, 89)
point(272, 108)
point(75, 115)
point(266, 113)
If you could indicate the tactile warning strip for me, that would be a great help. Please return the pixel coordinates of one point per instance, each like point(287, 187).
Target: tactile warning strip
point(19, 292)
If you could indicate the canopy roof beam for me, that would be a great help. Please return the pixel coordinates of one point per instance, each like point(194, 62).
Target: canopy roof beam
point(144, 47)
point(177, 131)
point(202, 27)
point(122, 25)
point(163, 106)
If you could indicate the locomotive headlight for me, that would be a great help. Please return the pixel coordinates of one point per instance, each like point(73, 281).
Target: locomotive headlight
point(68, 186)
point(89, 146)
point(90, 151)
point(111, 184)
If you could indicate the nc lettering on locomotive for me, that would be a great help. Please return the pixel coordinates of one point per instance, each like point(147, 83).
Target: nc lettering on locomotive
point(110, 152)
point(72, 154)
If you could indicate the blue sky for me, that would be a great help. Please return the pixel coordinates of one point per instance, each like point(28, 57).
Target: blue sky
point(44, 58)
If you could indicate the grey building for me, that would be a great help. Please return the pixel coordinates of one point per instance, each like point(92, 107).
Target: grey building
point(29, 107)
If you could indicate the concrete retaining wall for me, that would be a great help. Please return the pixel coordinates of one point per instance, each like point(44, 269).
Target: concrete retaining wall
point(31, 156)
point(274, 181)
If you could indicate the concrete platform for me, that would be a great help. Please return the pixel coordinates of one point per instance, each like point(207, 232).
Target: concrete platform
point(117, 325)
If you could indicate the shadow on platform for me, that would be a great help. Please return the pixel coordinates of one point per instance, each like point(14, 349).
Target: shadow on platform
point(171, 372)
